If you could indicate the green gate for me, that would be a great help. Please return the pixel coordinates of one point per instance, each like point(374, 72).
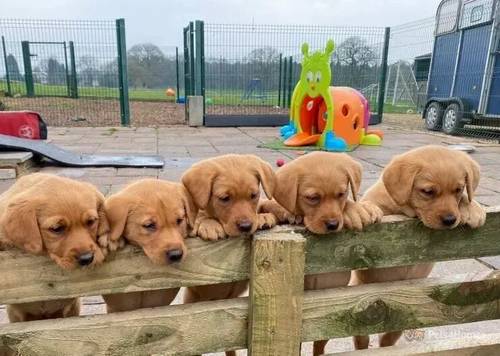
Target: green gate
point(60, 71)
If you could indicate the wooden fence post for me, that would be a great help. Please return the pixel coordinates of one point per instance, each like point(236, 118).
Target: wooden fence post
point(276, 294)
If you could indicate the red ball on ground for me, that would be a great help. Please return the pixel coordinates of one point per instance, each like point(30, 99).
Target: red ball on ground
point(280, 162)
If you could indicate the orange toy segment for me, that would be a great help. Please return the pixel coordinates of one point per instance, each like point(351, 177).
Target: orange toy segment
point(349, 114)
point(302, 139)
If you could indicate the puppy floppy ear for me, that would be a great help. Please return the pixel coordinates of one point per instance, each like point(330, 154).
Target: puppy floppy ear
point(198, 181)
point(472, 174)
point(20, 224)
point(398, 178)
point(103, 223)
point(189, 206)
point(265, 174)
point(117, 208)
point(287, 186)
point(354, 172)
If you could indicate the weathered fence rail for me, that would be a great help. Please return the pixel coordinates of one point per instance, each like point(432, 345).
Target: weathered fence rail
point(278, 315)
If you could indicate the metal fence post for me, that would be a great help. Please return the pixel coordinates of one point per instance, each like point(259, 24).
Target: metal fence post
point(289, 94)
point(200, 60)
point(187, 89)
point(74, 80)
point(177, 72)
point(383, 76)
point(285, 65)
point(7, 75)
point(122, 72)
point(192, 84)
point(28, 72)
point(279, 79)
point(66, 69)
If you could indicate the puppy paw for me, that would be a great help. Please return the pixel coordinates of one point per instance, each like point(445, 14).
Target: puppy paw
point(266, 221)
point(282, 215)
point(209, 230)
point(107, 245)
point(358, 215)
point(472, 214)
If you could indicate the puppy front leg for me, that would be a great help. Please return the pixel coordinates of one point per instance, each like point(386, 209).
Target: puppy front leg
point(282, 215)
point(358, 215)
point(266, 221)
point(472, 214)
point(207, 228)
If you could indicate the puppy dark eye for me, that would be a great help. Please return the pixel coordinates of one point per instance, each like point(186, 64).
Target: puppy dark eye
point(459, 190)
point(58, 229)
point(428, 192)
point(340, 195)
point(91, 222)
point(225, 198)
point(313, 199)
point(179, 221)
point(253, 196)
point(151, 226)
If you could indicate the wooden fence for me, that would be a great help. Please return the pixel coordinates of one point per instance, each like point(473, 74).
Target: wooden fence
point(278, 315)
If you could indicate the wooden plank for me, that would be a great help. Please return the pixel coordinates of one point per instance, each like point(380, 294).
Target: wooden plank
point(174, 330)
point(397, 241)
point(401, 241)
point(26, 278)
point(276, 295)
point(402, 305)
point(488, 344)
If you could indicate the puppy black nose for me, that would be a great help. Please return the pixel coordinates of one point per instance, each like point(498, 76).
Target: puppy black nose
point(85, 258)
point(448, 220)
point(245, 225)
point(174, 255)
point(332, 224)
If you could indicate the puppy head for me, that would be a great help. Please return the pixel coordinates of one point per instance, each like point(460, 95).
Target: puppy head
point(227, 188)
point(154, 215)
point(57, 216)
point(316, 186)
point(432, 180)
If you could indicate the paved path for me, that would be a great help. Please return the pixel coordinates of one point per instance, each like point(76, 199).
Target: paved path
point(183, 146)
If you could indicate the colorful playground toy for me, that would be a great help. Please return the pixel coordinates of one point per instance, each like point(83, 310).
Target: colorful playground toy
point(332, 118)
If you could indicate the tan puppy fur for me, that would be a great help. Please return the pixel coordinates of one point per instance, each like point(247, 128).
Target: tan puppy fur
point(315, 189)
point(55, 216)
point(226, 189)
point(156, 216)
point(434, 184)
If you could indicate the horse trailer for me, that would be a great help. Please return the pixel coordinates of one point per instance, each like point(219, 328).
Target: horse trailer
point(464, 79)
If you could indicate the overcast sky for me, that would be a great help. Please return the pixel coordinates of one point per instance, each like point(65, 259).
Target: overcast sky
point(161, 21)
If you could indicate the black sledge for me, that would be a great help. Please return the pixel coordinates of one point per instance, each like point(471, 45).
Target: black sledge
point(71, 159)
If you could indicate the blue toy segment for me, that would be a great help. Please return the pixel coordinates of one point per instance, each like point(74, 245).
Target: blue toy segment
point(471, 65)
point(334, 144)
point(288, 131)
point(494, 99)
point(443, 65)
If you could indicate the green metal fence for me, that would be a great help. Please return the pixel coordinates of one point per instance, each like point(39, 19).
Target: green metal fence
point(66, 70)
point(250, 71)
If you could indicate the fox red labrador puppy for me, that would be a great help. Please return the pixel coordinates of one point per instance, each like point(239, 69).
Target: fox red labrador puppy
point(226, 189)
point(434, 184)
point(314, 189)
point(157, 216)
point(58, 217)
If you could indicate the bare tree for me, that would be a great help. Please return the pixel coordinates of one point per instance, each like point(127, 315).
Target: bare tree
point(148, 67)
point(355, 51)
point(87, 70)
point(262, 64)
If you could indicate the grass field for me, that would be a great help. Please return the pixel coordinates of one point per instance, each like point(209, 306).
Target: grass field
point(230, 97)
